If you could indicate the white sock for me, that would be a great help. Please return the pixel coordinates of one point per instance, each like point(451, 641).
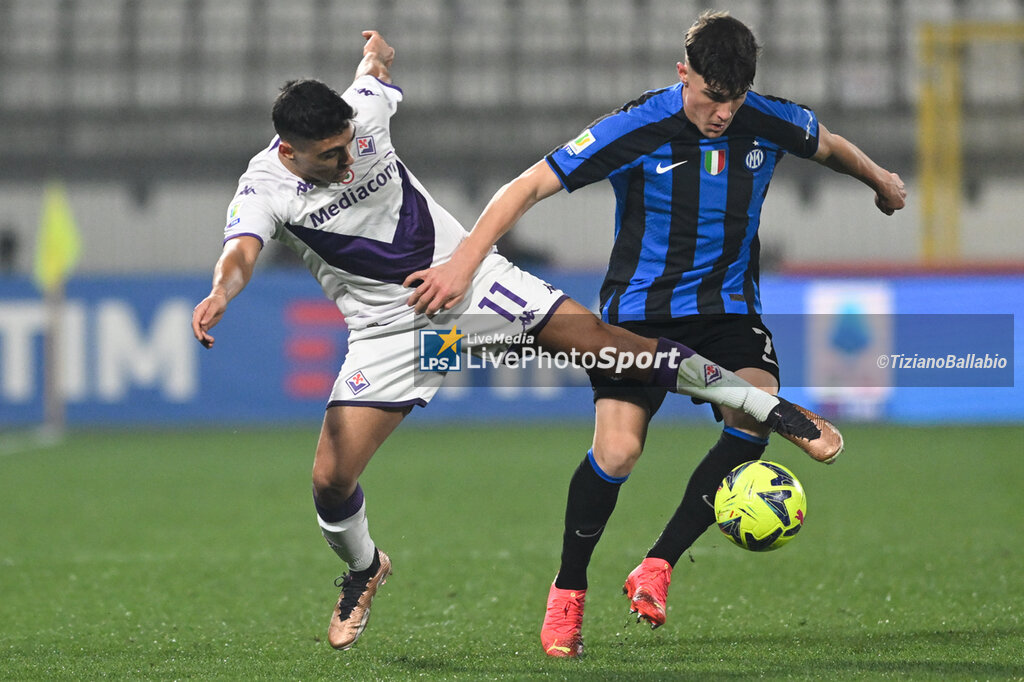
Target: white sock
point(350, 539)
point(695, 373)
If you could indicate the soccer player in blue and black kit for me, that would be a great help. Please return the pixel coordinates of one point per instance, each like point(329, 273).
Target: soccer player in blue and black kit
point(690, 165)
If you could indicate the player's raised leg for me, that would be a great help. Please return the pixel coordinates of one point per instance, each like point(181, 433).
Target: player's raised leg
point(678, 368)
point(348, 439)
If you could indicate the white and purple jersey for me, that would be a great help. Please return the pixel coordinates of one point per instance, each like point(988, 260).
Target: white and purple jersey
point(360, 237)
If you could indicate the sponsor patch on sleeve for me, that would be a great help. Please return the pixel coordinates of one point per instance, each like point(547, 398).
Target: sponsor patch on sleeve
point(584, 140)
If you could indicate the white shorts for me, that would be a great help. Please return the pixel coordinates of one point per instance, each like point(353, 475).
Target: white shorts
point(388, 366)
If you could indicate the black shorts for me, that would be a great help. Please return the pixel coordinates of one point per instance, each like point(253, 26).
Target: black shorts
point(732, 341)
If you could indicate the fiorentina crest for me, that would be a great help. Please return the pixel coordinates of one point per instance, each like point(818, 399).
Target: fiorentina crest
point(712, 373)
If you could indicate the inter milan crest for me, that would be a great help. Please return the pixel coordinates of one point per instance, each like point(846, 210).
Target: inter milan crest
point(755, 158)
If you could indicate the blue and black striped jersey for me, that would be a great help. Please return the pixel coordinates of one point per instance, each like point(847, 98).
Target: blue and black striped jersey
point(687, 207)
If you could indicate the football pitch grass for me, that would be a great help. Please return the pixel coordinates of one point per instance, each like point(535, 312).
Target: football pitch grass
point(195, 555)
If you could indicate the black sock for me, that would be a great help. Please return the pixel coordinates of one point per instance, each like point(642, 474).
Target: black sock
point(592, 497)
point(694, 514)
point(368, 573)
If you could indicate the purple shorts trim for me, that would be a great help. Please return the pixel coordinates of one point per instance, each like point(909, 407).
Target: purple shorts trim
point(536, 329)
point(414, 402)
point(515, 348)
point(243, 234)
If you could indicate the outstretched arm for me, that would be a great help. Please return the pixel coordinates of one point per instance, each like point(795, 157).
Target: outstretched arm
point(377, 58)
point(842, 156)
point(445, 285)
point(232, 272)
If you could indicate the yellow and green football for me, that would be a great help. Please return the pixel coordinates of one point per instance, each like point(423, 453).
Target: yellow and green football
point(760, 505)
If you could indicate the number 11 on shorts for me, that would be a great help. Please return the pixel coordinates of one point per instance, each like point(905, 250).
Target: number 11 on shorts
point(497, 288)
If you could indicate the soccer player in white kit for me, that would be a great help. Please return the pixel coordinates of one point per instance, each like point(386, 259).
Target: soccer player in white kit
point(331, 187)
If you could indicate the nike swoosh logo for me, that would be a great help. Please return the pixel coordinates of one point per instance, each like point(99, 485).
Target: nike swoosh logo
point(666, 169)
point(590, 535)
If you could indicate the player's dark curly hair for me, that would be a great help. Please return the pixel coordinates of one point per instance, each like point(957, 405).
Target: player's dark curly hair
point(723, 51)
point(310, 110)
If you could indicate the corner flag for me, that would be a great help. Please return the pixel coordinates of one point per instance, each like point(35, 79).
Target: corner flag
point(57, 244)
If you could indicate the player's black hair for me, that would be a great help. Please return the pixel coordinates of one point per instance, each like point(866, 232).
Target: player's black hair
point(723, 51)
point(310, 110)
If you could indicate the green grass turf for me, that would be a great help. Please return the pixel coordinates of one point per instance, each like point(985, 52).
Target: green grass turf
point(195, 555)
